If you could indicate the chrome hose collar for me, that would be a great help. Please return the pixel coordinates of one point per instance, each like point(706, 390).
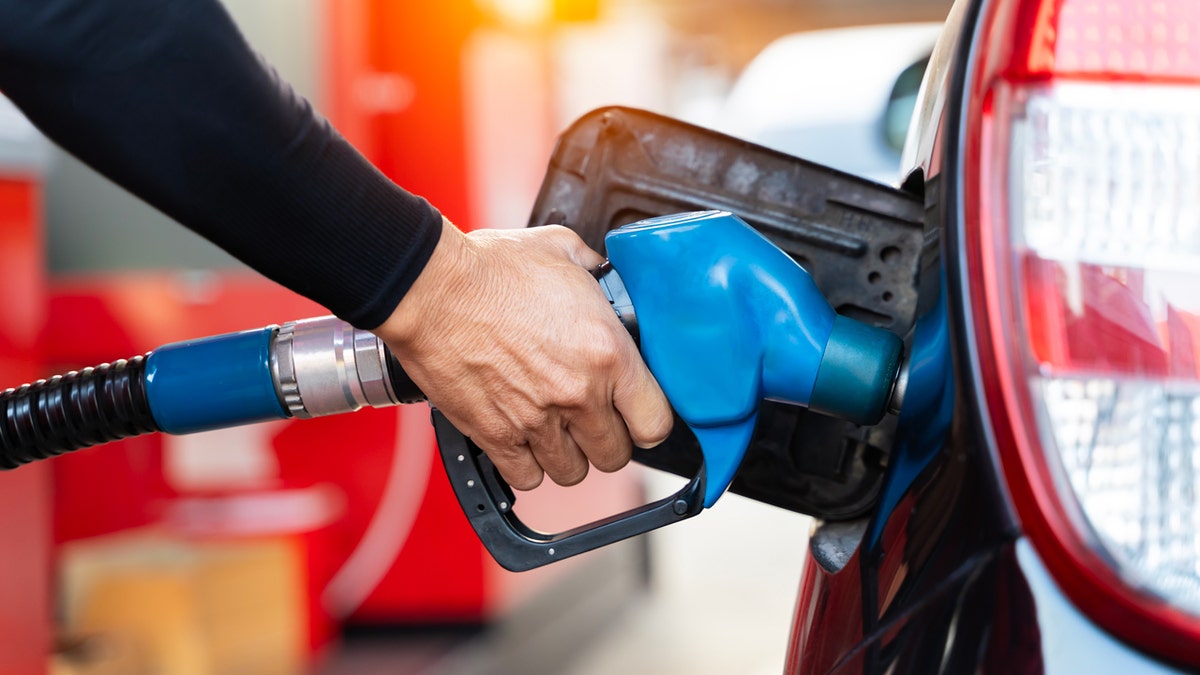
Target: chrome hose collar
point(325, 366)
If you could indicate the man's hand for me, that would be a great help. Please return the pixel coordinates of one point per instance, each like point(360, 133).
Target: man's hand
point(509, 335)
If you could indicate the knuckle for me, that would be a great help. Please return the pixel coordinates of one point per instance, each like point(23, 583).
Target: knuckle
point(604, 349)
point(574, 393)
point(611, 449)
point(560, 458)
point(613, 462)
point(572, 476)
point(559, 236)
point(496, 437)
point(532, 423)
point(565, 235)
point(525, 480)
point(654, 431)
point(517, 466)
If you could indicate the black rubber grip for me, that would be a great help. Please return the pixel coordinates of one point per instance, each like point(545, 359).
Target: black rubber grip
point(73, 411)
point(405, 389)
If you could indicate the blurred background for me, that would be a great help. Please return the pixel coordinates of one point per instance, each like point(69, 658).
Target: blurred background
point(335, 546)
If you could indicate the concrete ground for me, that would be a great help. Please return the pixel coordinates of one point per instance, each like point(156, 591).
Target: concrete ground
point(721, 599)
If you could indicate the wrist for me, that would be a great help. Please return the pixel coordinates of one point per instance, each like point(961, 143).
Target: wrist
point(445, 275)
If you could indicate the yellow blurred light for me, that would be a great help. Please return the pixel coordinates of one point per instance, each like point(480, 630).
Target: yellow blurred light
point(521, 13)
point(576, 10)
point(530, 13)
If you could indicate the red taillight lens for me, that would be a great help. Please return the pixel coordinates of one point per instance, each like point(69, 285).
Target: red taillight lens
point(1081, 190)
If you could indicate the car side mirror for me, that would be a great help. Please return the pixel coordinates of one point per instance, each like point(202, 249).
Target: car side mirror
point(898, 114)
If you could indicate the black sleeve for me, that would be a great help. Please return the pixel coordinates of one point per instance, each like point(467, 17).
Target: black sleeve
point(166, 98)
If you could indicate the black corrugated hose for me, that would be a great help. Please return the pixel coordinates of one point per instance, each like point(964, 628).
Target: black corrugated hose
point(77, 410)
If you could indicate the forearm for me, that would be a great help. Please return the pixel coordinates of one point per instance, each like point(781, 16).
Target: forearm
point(167, 99)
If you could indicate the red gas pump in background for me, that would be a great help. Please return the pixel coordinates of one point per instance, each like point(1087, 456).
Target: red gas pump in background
point(25, 569)
point(360, 499)
point(397, 85)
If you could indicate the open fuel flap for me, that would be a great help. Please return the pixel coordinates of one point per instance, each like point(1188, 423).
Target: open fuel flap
point(860, 241)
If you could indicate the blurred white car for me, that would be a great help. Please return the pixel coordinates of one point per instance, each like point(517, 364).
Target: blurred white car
point(842, 97)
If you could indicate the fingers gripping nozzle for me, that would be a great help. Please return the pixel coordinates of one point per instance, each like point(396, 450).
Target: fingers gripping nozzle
point(726, 319)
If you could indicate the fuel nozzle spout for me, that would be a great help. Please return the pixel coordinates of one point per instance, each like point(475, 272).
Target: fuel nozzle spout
point(859, 373)
point(727, 319)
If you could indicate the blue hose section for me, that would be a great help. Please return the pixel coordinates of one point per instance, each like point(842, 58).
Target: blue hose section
point(213, 383)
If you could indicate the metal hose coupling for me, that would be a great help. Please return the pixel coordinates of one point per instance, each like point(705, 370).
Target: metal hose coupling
point(325, 366)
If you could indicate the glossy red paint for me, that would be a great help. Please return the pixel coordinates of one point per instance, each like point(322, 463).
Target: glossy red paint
point(825, 632)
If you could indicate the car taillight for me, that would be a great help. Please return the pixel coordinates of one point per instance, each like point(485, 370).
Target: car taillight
point(1081, 198)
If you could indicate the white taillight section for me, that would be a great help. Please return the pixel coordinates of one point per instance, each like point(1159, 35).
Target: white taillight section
point(1109, 174)
point(1128, 450)
point(1105, 232)
point(1080, 175)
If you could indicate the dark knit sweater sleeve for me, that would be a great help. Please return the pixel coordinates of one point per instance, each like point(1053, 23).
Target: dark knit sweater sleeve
point(166, 99)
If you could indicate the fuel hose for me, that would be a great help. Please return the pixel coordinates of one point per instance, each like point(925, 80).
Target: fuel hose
point(302, 369)
point(72, 411)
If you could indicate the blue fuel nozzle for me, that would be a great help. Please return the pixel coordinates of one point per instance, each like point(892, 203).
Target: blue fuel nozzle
point(726, 319)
